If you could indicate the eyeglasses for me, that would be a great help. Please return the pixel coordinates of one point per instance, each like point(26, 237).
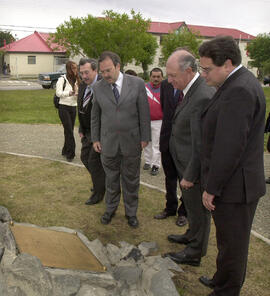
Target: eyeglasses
point(205, 70)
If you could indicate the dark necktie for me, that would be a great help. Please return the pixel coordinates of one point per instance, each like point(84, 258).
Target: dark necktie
point(181, 97)
point(178, 97)
point(116, 92)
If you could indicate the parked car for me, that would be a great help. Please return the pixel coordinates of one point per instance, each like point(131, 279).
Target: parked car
point(48, 80)
point(266, 80)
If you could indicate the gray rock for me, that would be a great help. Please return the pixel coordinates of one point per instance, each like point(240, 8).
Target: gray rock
point(134, 254)
point(162, 284)
point(128, 274)
point(6, 237)
point(8, 258)
point(87, 290)
point(27, 273)
point(3, 285)
point(159, 263)
point(104, 280)
point(15, 291)
point(147, 247)
point(65, 285)
point(4, 215)
point(125, 249)
point(2, 250)
point(113, 253)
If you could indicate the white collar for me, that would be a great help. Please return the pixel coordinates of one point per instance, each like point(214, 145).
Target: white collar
point(186, 89)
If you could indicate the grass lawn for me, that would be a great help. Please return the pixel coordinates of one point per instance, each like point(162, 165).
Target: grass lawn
point(48, 193)
point(28, 106)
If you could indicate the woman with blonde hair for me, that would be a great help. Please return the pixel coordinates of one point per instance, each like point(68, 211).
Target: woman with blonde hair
point(67, 91)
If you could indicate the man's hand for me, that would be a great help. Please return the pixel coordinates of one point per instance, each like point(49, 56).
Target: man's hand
point(97, 146)
point(144, 144)
point(186, 184)
point(207, 200)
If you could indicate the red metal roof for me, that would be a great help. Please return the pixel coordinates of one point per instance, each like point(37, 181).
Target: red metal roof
point(204, 31)
point(214, 31)
point(36, 42)
point(164, 28)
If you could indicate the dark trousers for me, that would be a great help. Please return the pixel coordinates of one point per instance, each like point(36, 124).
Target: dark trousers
point(91, 160)
point(67, 115)
point(233, 225)
point(127, 170)
point(171, 178)
point(197, 215)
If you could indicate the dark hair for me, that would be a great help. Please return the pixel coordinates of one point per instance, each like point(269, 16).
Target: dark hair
point(156, 70)
point(131, 72)
point(92, 62)
point(221, 49)
point(186, 60)
point(111, 55)
point(72, 79)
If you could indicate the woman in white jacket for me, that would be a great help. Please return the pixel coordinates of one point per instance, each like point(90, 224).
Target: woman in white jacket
point(67, 106)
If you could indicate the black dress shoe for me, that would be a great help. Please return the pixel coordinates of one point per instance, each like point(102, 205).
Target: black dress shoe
point(207, 282)
point(106, 218)
point(179, 239)
point(181, 221)
point(94, 199)
point(267, 181)
point(163, 215)
point(183, 258)
point(133, 221)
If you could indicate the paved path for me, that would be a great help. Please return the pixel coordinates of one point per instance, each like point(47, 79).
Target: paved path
point(45, 140)
point(11, 84)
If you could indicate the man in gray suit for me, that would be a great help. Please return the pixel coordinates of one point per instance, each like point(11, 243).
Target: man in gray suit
point(185, 145)
point(120, 125)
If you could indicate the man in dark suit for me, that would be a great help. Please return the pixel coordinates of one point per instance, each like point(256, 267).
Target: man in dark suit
point(120, 130)
point(185, 144)
point(169, 99)
point(89, 157)
point(232, 158)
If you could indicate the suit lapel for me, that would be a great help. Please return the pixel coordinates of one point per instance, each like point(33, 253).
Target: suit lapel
point(125, 89)
point(107, 89)
point(188, 95)
point(224, 86)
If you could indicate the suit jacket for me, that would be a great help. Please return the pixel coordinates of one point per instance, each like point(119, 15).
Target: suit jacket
point(233, 140)
point(186, 129)
point(124, 124)
point(168, 107)
point(84, 113)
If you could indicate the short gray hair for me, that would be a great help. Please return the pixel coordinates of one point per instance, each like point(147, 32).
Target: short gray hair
point(187, 60)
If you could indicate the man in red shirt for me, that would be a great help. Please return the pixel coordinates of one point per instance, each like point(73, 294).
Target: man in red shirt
point(151, 151)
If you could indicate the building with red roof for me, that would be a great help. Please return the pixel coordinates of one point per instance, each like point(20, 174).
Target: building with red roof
point(35, 53)
point(159, 29)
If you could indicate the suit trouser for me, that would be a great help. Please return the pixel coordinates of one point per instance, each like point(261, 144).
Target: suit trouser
point(197, 215)
point(126, 169)
point(233, 225)
point(171, 178)
point(91, 160)
point(151, 151)
point(67, 115)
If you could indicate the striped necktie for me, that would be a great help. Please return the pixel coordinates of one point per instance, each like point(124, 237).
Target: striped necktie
point(116, 92)
point(87, 95)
